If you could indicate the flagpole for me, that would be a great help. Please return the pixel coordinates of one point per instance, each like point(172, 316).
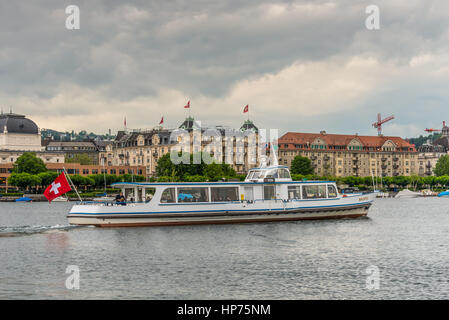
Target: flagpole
point(70, 180)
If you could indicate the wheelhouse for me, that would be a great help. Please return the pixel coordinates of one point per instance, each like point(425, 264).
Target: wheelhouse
point(279, 173)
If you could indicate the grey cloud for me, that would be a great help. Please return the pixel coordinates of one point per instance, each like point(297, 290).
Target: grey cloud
point(133, 49)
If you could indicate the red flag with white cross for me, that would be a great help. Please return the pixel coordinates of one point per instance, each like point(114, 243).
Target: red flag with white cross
point(57, 188)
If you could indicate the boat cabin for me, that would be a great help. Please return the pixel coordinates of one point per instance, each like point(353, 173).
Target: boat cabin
point(261, 184)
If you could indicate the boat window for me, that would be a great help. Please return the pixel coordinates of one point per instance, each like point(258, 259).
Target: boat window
point(249, 194)
point(193, 194)
point(224, 194)
point(331, 191)
point(272, 174)
point(268, 193)
point(283, 173)
point(129, 195)
point(168, 196)
point(314, 192)
point(294, 192)
point(148, 194)
point(257, 174)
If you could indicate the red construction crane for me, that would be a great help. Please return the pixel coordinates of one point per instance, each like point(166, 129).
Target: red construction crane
point(378, 124)
point(434, 130)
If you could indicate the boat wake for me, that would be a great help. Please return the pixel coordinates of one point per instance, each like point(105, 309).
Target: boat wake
point(17, 231)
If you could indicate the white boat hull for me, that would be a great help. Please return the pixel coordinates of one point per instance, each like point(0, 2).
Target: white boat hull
point(240, 212)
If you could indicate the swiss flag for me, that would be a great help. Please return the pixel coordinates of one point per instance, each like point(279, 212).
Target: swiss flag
point(187, 105)
point(162, 121)
point(57, 188)
point(245, 109)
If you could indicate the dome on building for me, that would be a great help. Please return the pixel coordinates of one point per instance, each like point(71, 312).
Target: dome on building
point(190, 124)
point(16, 123)
point(249, 125)
point(445, 131)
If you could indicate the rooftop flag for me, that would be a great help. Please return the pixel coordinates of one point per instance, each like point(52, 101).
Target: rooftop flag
point(245, 109)
point(187, 105)
point(162, 120)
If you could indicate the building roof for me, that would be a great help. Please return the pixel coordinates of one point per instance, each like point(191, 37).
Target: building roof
point(443, 142)
point(71, 144)
point(249, 125)
point(291, 139)
point(17, 123)
point(130, 139)
point(190, 124)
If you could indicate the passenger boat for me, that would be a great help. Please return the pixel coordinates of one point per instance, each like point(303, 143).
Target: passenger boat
point(268, 194)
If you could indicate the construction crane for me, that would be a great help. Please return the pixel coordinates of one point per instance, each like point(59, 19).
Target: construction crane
point(431, 130)
point(378, 124)
point(434, 130)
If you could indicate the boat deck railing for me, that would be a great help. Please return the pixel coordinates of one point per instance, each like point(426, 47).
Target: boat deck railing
point(110, 203)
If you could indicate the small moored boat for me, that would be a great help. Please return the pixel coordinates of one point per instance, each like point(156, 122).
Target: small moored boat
point(24, 199)
point(61, 199)
point(444, 194)
point(268, 194)
point(407, 194)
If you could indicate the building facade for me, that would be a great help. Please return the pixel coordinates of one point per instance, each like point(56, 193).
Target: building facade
point(137, 149)
point(145, 148)
point(18, 135)
point(350, 155)
point(430, 152)
point(71, 149)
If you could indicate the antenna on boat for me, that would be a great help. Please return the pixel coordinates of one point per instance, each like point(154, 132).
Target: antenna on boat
point(274, 158)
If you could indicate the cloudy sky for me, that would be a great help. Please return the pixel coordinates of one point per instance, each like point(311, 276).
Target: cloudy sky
point(306, 65)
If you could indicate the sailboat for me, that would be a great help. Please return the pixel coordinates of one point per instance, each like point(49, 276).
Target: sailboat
point(104, 197)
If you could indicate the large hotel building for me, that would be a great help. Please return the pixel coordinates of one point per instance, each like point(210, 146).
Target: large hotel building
point(350, 155)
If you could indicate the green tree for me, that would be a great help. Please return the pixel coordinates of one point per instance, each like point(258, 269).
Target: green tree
point(195, 178)
point(29, 163)
point(47, 177)
point(442, 166)
point(24, 180)
point(79, 180)
point(430, 181)
point(165, 167)
point(228, 171)
point(130, 178)
point(81, 158)
point(214, 171)
point(402, 181)
point(301, 165)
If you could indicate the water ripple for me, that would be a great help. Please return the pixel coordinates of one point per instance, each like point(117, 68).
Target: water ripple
point(17, 231)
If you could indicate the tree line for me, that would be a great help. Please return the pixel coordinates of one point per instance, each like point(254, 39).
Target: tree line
point(301, 168)
point(30, 171)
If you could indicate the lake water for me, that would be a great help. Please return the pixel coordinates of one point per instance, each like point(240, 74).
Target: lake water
point(405, 239)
